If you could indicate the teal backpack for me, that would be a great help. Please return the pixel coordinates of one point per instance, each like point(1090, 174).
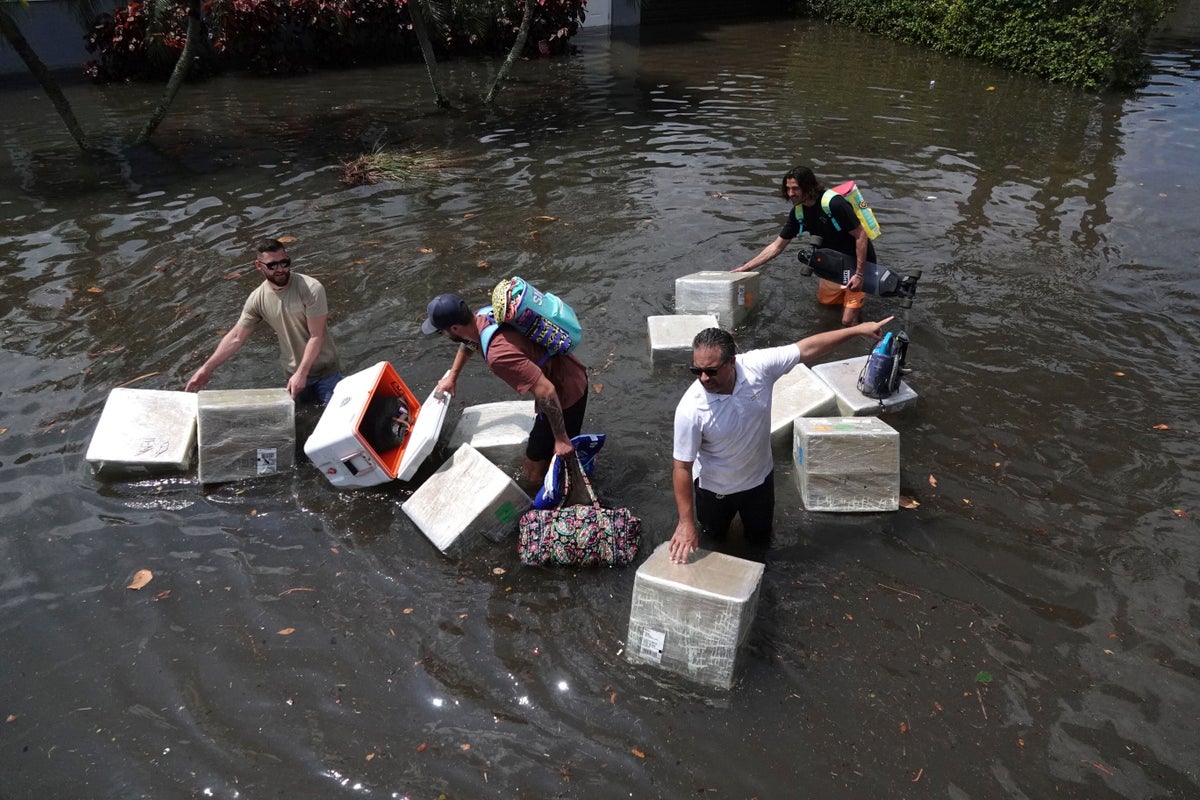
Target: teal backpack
point(541, 316)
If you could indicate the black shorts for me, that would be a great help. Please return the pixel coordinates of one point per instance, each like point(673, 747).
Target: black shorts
point(756, 506)
point(541, 438)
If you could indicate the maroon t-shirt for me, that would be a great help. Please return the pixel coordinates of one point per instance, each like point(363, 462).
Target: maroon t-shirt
point(514, 358)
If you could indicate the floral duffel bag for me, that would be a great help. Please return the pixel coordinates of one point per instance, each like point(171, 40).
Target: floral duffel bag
point(579, 535)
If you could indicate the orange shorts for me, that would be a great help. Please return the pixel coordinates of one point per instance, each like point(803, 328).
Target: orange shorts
point(834, 294)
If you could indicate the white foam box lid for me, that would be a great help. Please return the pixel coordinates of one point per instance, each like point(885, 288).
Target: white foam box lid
point(842, 378)
point(337, 446)
point(693, 617)
point(145, 428)
point(799, 393)
point(671, 335)
point(847, 464)
point(467, 497)
point(729, 295)
point(244, 433)
point(493, 427)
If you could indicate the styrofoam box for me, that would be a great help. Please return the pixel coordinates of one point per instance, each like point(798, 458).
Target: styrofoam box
point(498, 430)
point(799, 393)
point(466, 498)
point(671, 335)
point(145, 429)
point(730, 296)
point(842, 377)
point(343, 444)
point(244, 433)
point(847, 464)
point(692, 618)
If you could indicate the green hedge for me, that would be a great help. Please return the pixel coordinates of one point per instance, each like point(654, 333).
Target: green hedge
point(1087, 43)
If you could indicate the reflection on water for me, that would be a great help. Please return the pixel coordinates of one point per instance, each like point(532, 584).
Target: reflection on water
point(1028, 631)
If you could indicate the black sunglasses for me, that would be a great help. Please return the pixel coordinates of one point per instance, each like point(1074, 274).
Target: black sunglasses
point(710, 372)
point(283, 263)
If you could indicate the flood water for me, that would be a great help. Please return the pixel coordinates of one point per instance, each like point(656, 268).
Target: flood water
point(1030, 630)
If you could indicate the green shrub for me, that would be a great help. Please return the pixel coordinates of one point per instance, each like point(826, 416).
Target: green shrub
point(1087, 43)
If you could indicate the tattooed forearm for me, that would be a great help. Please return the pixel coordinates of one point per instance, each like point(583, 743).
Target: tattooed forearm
point(552, 409)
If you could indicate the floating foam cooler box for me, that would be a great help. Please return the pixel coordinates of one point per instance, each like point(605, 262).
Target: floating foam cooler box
point(144, 430)
point(730, 296)
point(355, 443)
point(245, 433)
point(799, 393)
point(842, 378)
point(498, 430)
point(467, 498)
point(692, 618)
point(671, 336)
point(847, 464)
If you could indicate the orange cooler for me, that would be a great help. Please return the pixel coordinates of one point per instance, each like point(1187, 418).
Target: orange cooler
point(346, 445)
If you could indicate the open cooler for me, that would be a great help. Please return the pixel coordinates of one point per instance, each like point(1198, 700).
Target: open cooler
point(373, 430)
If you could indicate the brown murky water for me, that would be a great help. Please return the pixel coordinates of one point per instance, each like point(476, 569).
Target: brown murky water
point(1029, 631)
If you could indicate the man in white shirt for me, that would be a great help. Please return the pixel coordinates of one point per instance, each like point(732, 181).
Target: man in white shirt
point(723, 463)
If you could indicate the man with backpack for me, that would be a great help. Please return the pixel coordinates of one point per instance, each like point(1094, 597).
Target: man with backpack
point(558, 382)
point(833, 219)
point(723, 466)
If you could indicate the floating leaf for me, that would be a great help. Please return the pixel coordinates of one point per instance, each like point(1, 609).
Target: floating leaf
point(426, 250)
point(95, 290)
point(163, 595)
point(908, 502)
point(11, 718)
point(637, 752)
point(991, 88)
point(497, 570)
point(285, 239)
point(933, 481)
point(286, 631)
point(596, 387)
point(542, 218)
point(1119, 374)
point(408, 611)
point(140, 579)
point(983, 677)
point(1162, 427)
point(369, 756)
point(1179, 512)
point(464, 747)
point(483, 263)
point(3, 431)
point(904, 727)
point(421, 747)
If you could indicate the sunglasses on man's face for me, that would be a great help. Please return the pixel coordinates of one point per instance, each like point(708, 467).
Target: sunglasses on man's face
point(710, 372)
point(283, 263)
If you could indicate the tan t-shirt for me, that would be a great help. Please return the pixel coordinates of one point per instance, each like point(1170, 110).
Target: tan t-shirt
point(287, 312)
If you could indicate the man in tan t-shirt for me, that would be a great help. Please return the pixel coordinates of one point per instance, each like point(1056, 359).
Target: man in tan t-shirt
point(296, 309)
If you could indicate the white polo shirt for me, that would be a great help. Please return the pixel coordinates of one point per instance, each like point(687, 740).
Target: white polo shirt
point(728, 436)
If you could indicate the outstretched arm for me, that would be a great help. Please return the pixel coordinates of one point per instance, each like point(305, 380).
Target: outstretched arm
point(547, 402)
point(861, 240)
point(449, 382)
point(766, 254)
point(819, 344)
point(316, 339)
point(685, 540)
point(229, 344)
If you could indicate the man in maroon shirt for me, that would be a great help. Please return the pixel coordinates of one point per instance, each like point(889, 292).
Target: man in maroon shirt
point(558, 383)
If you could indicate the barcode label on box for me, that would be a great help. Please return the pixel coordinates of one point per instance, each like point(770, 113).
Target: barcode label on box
point(652, 645)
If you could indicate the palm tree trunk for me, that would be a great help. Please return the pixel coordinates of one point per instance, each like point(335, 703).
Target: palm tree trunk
point(417, 14)
point(518, 46)
point(50, 86)
point(175, 82)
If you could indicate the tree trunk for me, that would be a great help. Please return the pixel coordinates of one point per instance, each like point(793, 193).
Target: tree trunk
point(518, 46)
point(175, 82)
point(50, 86)
point(417, 14)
